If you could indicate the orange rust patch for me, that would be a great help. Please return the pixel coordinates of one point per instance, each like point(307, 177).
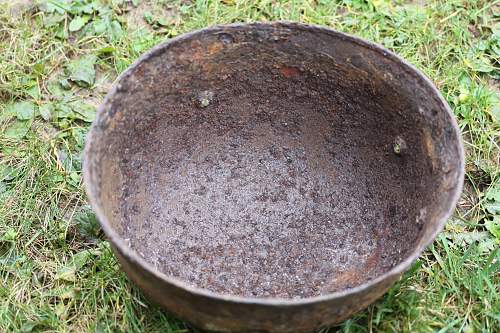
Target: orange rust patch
point(348, 278)
point(429, 147)
point(353, 275)
point(215, 48)
point(371, 262)
point(198, 53)
point(289, 71)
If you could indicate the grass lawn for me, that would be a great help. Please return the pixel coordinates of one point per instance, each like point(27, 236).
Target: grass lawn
point(58, 59)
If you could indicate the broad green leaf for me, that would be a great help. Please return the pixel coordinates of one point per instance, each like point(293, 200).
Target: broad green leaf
point(53, 19)
point(77, 23)
point(74, 179)
point(64, 123)
point(18, 129)
point(4, 192)
point(39, 70)
point(55, 177)
point(87, 224)
point(65, 84)
point(496, 29)
point(81, 258)
point(115, 31)
point(61, 309)
point(67, 273)
point(12, 260)
point(28, 326)
point(83, 111)
point(10, 235)
point(479, 63)
point(495, 48)
point(99, 26)
point(65, 158)
point(63, 111)
point(493, 193)
point(67, 293)
point(493, 226)
point(82, 70)
point(78, 134)
point(482, 45)
point(59, 6)
point(46, 111)
point(112, 28)
point(79, 7)
point(487, 245)
point(34, 91)
point(62, 293)
point(148, 17)
point(23, 110)
point(465, 239)
point(162, 21)
point(495, 112)
point(492, 203)
point(8, 112)
point(493, 207)
point(8, 173)
point(102, 8)
point(62, 32)
point(55, 89)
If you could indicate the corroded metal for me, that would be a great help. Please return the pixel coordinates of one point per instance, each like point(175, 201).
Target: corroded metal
point(271, 177)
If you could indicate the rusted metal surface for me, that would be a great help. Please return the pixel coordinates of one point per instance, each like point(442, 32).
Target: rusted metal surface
point(271, 177)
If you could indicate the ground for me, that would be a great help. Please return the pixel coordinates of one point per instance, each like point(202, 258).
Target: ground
point(58, 59)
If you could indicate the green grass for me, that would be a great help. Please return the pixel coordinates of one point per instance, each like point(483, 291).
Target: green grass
point(57, 273)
